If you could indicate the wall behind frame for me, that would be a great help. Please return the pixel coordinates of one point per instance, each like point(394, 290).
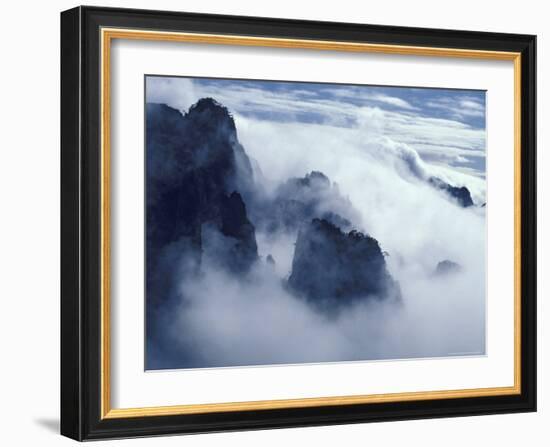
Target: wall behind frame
point(29, 236)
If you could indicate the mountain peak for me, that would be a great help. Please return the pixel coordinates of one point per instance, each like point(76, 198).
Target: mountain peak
point(332, 268)
point(208, 115)
point(314, 178)
point(211, 106)
point(446, 267)
point(460, 193)
point(207, 103)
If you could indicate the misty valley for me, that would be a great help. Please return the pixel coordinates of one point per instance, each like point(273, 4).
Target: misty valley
point(257, 254)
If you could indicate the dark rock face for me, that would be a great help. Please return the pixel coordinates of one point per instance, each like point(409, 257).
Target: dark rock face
point(332, 269)
point(299, 200)
point(460, 194)
point(203, 207)
point(197, 172)
point(235, 225)
point(447, 267)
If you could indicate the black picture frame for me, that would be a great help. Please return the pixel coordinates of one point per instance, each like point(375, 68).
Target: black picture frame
point(81, 393)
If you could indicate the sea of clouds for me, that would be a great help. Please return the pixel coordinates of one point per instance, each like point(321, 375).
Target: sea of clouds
point(234, 322)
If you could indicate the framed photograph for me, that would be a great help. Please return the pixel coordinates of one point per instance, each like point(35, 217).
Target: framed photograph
point(277, 223)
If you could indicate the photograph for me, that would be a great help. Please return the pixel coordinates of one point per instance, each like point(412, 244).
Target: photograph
point(273, 221)
point(297, 222)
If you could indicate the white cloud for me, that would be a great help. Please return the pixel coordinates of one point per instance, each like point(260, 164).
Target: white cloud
point(361, 94)
point(178, 93)
point(392, 100)
point(459, 107)
point(258, 322)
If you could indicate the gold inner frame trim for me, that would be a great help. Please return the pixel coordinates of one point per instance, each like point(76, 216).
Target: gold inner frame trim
point(107, 35)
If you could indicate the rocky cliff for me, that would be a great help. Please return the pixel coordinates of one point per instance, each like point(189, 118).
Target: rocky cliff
point(201, 194)
point(460, 194)
point(332, 269)
point(300, 199)
point(197, 174)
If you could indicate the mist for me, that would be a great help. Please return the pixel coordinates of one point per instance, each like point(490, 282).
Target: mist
point(228, 320)
point(258, 322)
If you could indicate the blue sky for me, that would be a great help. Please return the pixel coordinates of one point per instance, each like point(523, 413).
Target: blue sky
point(445, 127)
point(466, 106)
